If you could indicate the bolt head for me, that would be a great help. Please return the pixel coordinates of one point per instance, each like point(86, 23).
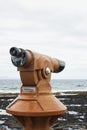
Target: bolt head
point(48, 71)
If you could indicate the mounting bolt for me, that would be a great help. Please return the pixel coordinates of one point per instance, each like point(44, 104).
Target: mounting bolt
point(48, 71)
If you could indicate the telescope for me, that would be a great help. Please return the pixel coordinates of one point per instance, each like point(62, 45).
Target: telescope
point(22, 58)
point(35, 102)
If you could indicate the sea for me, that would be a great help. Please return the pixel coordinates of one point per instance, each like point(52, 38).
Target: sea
point(58, 85)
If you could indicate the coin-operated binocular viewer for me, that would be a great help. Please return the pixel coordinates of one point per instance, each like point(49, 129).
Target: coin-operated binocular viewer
point(35, 107)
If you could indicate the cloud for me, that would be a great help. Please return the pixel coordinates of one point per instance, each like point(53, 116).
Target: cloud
point(56, 28)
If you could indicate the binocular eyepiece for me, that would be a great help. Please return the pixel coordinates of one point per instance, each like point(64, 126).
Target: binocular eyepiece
point(18, 56)
point(17, 52)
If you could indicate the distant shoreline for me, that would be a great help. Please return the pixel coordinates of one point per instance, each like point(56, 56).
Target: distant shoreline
point(54, 93)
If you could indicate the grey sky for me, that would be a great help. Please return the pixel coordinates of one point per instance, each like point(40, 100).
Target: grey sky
point(52, 27)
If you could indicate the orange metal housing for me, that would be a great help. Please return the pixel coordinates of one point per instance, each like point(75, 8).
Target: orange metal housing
point(36, 101)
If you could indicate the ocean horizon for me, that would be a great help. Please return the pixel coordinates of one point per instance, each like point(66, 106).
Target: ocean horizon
point(58, 85)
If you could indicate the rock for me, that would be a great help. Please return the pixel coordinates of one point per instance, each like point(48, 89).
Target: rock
point(74, 119)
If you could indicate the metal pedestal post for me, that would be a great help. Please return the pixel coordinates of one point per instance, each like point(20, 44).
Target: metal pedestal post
point(37, 123)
